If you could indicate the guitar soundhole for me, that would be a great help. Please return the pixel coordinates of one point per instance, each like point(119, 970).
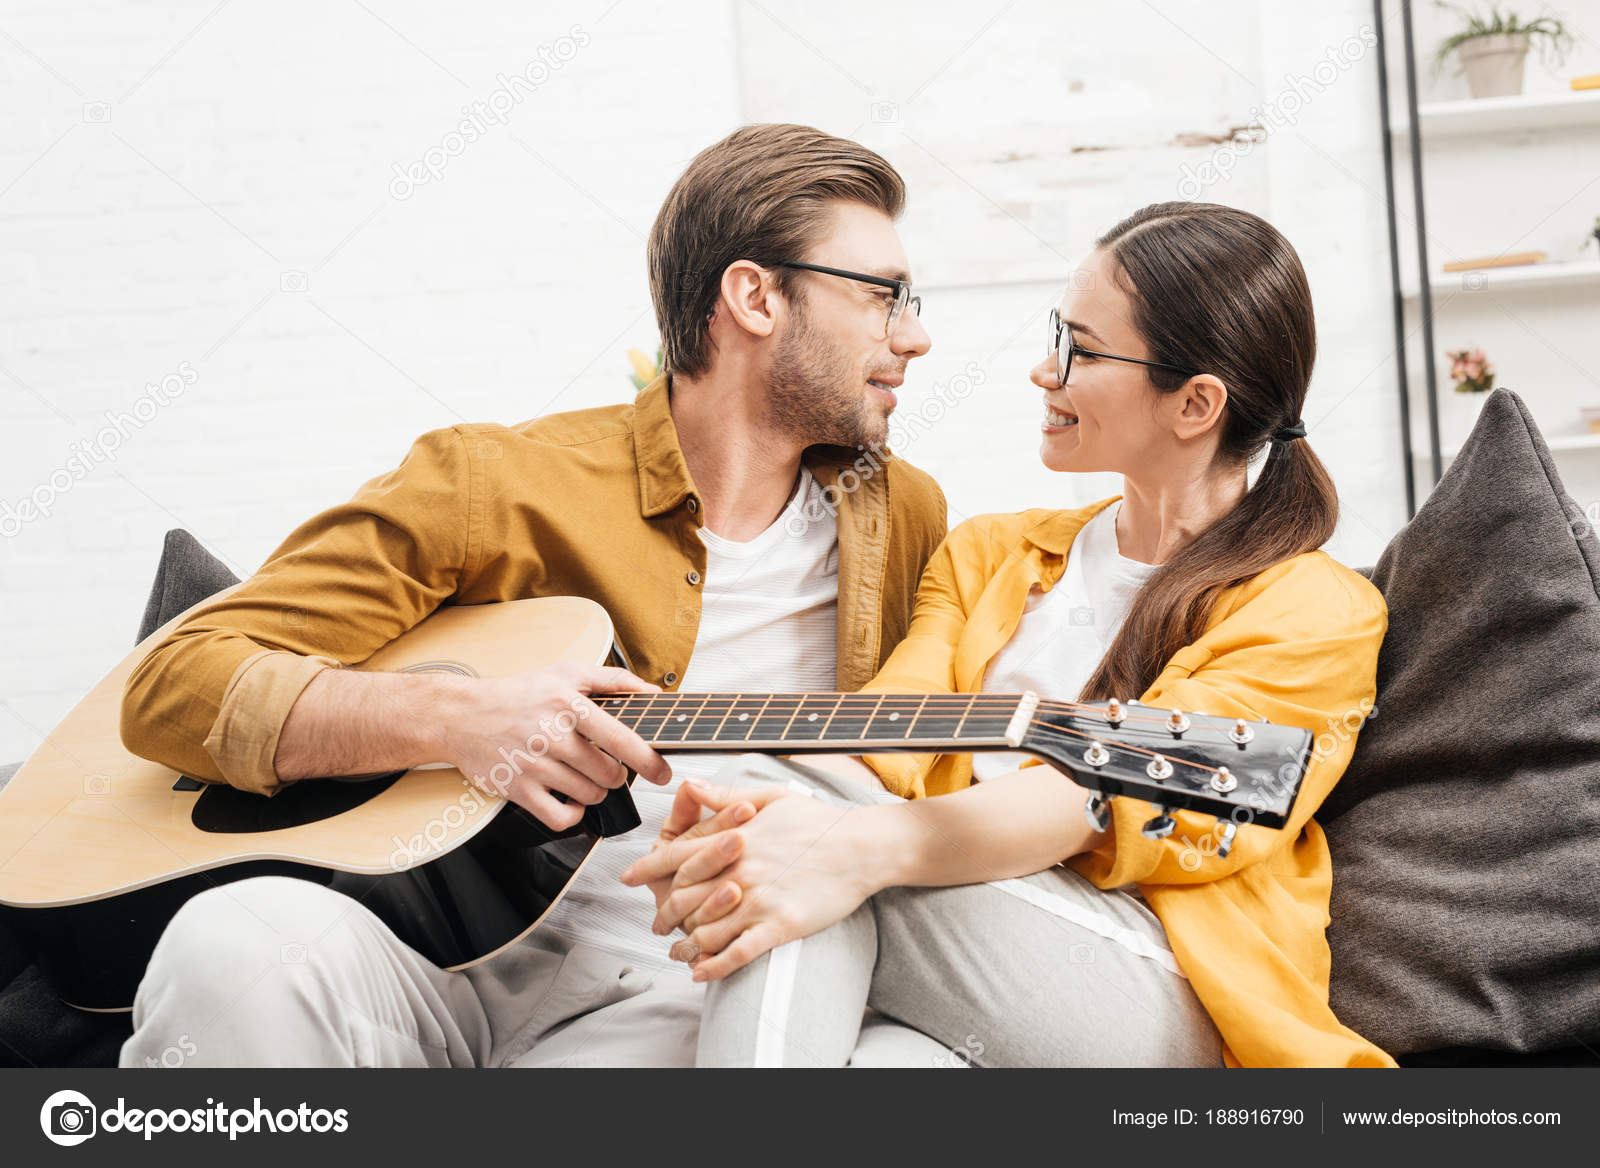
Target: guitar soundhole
point(230, 811)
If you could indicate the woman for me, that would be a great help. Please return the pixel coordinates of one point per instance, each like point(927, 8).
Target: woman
point(1183, 352)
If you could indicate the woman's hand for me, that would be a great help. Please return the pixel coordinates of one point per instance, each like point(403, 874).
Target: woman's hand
point(686, 845)
point(799, 866)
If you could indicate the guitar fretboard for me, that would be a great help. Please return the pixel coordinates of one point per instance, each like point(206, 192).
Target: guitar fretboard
point(882, 722)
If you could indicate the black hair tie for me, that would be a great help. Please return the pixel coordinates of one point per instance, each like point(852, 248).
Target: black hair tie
point(1289, 433)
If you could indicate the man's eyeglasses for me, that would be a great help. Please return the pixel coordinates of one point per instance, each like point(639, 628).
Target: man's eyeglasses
point(1064, 347)
point(902, 290)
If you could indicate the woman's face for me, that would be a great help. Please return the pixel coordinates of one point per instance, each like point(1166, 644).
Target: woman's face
point(1105, 418)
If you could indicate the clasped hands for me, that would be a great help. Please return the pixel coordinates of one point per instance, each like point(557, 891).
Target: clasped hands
point(742, 870)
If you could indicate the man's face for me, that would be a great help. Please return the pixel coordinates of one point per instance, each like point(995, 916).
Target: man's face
point(834, 370)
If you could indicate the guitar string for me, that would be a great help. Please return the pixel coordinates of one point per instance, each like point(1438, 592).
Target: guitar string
point(1004, 703)
point(998, 702)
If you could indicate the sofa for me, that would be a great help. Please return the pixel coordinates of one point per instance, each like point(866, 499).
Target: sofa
point(1465, 919)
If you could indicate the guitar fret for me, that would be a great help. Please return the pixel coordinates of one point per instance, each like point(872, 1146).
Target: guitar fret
point(860, 721)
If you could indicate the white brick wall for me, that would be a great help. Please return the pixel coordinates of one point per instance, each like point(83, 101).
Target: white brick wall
point(229, 209)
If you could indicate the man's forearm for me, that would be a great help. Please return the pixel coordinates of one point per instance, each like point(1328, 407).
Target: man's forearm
point(348, 722)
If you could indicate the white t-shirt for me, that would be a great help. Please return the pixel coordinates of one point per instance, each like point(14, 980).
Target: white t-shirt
point(1065, 631)
point(768, 622)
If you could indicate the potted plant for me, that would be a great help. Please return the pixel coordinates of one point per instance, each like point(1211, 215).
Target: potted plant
point(1470, 370)
point(1493, 48)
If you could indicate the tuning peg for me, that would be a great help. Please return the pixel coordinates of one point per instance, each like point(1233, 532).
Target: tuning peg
point(1223, 781)
point(1177, 723)
point(1159, 768)
point(1098, 812)
point(1115, 713)
point(1160, 827)
point(1241, 732)
point(1225, 839)
point(1097, 755)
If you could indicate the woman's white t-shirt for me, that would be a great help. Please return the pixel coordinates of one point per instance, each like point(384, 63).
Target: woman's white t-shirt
point(1065, 631)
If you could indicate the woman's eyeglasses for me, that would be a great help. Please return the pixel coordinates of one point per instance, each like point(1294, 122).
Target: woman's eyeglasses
point(902, 290)
point(1064, 347)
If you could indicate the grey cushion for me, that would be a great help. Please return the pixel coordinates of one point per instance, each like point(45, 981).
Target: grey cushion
point(186, 575)
point(7, 771)
point(1466, 831)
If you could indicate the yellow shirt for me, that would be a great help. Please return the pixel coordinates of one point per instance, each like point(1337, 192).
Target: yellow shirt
point(1298, 645)
point(596, 503)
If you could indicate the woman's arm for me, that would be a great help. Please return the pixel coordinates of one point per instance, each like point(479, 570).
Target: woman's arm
point(1012, 825)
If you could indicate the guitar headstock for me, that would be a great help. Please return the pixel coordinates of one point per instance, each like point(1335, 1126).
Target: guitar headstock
point(1238, 770)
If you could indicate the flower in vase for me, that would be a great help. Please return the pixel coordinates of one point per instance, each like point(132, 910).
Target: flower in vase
point(1470, 370)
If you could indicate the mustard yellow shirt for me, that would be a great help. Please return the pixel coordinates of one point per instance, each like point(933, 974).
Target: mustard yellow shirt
point(595, 503)
point(1298, 645)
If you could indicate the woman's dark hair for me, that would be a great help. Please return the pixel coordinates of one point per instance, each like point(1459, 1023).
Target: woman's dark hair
point(1218, 290)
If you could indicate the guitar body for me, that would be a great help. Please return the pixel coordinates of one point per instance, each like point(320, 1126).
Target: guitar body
point(100, 848)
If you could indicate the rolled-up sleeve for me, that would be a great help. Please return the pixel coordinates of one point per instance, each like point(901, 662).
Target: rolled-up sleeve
point(210, 699)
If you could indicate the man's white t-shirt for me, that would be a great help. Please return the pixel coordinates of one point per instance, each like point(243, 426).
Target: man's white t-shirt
point(1065, 631)
point(768, 622)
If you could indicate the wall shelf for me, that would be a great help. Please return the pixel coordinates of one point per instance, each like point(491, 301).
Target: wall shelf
point(1494, 115)
point(1558, 444)
point(1546, 275)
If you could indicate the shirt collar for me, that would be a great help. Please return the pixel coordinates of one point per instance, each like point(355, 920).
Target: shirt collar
point(1054, 531)
point(664, 480)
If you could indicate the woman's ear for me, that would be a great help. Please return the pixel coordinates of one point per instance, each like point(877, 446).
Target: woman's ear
point(1200, 404)
point(749, 298)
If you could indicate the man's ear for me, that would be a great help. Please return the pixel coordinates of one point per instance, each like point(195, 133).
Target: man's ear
point(749, 298)
point(1200, 404)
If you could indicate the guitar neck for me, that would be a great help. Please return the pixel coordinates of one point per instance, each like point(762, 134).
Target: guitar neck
point(794, 723)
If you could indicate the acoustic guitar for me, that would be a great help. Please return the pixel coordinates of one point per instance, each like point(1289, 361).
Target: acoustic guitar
point(100, 848)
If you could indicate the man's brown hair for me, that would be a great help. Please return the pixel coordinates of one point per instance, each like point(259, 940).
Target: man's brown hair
point(760, 194)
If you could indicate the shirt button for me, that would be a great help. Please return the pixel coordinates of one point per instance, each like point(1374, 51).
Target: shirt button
point(693, 577)
point(694, 504)
point(670, 678)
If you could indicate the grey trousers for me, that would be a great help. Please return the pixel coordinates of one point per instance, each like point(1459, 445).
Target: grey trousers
point(1046, 970)
point(278, 972)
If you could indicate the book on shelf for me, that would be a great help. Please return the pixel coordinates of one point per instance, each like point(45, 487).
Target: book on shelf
point(1514, 260)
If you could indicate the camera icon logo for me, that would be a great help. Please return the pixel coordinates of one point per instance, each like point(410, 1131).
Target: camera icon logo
point(97, 112)
point(293, 953)
point(885, 113)
point(293, 282)
point(1475, 281)
point(67, 1118)
point(1080, 280)
point(97, 784)
point(1081, 616)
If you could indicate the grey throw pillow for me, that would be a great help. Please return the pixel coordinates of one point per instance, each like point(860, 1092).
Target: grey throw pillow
point(186, 575)
point(1466, 831)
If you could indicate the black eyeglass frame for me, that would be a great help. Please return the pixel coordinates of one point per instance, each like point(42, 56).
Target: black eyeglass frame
point(902, 289)
point(1064, 356)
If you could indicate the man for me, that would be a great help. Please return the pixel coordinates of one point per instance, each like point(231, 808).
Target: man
point(727, 519)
